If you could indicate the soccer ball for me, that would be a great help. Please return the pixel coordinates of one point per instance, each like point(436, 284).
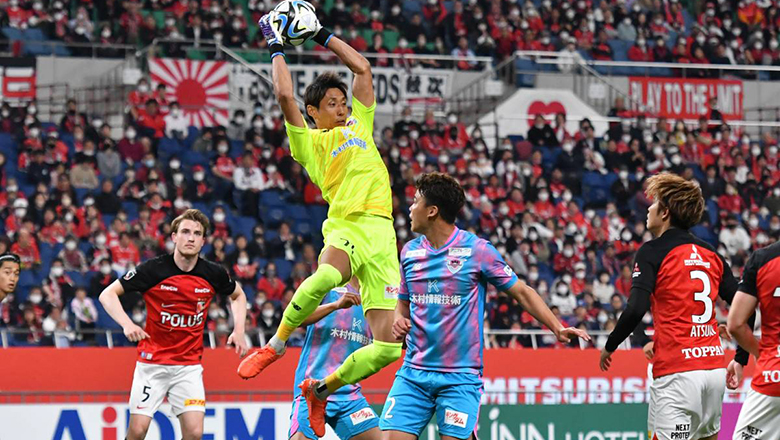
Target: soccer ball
point(296, 21)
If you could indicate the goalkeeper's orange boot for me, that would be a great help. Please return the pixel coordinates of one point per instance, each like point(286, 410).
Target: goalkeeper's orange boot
point(315, 405)
point(257, 361)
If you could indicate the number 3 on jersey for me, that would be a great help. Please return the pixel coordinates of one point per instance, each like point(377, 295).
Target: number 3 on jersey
point(703, 296)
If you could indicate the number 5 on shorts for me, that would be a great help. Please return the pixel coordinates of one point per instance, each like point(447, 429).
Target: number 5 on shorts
point(146, 393)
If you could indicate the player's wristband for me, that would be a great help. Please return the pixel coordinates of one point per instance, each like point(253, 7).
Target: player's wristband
point(276, 49)
point(322, 37)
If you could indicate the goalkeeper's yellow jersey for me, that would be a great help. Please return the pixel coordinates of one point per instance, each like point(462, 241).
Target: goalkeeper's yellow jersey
point(345, 164)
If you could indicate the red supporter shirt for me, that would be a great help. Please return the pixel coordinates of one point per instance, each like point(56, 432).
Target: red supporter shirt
point(28, 255)
point(760, 279)
point(176, 305)
point(273, 288)
point(153, 122)
point(125, 255)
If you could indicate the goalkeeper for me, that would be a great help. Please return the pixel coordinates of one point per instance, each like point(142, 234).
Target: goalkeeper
point(359, 239)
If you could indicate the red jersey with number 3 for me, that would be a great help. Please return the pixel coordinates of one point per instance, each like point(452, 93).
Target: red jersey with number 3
point(176, 306)
point(684, 275)
point(761, 279)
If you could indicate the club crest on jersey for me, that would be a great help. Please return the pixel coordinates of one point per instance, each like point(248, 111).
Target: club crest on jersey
point(454, 265)
point(129, 275)
point(637, 272)
point(201, 306)
point(459, 252)
point(695, 259)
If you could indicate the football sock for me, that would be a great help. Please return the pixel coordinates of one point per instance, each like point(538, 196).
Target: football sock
point(307, 298)
point(363, 363)
point(277, 344)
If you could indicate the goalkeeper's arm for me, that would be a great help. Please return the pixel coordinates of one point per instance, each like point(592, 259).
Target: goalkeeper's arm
point(283, 90)
point(363, 84)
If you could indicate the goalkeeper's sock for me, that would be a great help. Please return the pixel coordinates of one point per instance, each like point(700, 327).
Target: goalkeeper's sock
point(277, 343)
point(364, 363)
point(322, 37)
point(307, 298)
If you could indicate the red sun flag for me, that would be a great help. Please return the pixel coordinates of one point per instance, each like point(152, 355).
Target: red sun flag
point(201, 87)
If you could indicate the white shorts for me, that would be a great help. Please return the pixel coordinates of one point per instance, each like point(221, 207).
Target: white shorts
point(182, 384)
point(687, 405)
point(759, 418)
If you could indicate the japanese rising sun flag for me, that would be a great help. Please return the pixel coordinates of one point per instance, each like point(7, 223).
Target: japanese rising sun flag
point(201, 87)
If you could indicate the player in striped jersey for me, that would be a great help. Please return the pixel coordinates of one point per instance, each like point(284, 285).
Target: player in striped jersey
point(359, 239)
point(334, 331)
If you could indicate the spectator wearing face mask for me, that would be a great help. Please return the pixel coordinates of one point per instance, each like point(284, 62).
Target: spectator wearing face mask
point(271, 284)
point(176, 123)
point(734, 237)
point(150, 121)
point(104, 276)
point(130, 148)
point(58, 287)
point(72, 257)
point(639, 51)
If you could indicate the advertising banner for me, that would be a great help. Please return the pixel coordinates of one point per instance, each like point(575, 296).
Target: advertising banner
point(542, 377)
point(393, 88)
point(271, 421)
point(685, 98)
point(18, 80)
point(201, 87)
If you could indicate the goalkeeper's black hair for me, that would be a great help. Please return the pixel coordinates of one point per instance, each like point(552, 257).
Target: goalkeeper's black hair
point(444, 192)
point(317, 90)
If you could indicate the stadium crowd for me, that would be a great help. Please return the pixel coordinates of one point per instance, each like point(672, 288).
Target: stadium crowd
point(712, 32)
point(565, 209)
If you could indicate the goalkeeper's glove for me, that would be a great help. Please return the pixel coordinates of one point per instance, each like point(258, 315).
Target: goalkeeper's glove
point(322, 36)
point(268, 26)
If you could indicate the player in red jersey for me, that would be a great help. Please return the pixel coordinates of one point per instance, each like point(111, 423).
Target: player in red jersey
point(177, 289)
point(759, 418)
point(10, 268)
point(678, 277)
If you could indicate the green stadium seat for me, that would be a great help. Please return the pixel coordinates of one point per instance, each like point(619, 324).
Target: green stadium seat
point(196, 54)
point(391, 40)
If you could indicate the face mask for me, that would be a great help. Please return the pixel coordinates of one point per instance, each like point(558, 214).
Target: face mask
point(57, 271)
point(222, 148)
point(138, 317)
point(452, 119)
point(773, 44)
point(759, 45)
point(753, 222)
point(533, 236)
point(100, 240)
point(737, 32)
point(394, 153)
point(562, 289)
point(219, 217)
point(544, 196)
point(175, 164)
point(149, 163)
point(568, 147)
point(105, 269)
point(169, 246)
point(567, 196)
point(701, 39)
point(444, 159)
point(568, 252)
point(178, 178)
point(268, 313)
point(776, 192)
point(130, 134)
point(20, 212)
point(676, 160)
point(715, 150)
point(243, 261)
point(199, 176)
point(71, 245)
point(143, 88)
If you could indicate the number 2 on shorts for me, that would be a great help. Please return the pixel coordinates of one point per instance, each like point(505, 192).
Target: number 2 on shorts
point(389, 416)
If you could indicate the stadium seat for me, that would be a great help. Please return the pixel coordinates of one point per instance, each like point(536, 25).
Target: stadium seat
point(244, 226)
point(271, 198)
point(283, 268)
point(296, 212)
point(131, 209)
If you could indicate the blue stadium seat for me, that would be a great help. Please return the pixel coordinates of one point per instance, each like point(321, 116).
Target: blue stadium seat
point(271, 198)
point(272, 216)
point(13, 33)
point(27, 279)
point(302, 228)
point(244, 226)
point(283, 268)
point(131, 208)
point(317, 214)
point(77, 277)
point(296, 212)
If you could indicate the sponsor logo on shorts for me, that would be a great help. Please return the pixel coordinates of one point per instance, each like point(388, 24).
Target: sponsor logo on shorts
point(508, 271)
point(682, 431)
point(459, 252)
point(416, 253)
point(391, 292)
point(362, 415)
point(203, 290)
point(751, 433)
point(194, 402)
point(455, 418)
point(169, 288)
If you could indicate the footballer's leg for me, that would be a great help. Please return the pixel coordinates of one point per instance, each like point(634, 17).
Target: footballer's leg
point(137, 427)
point(335, 269)
point(354, 419)
point(458, 396)
point(192, 425)
point(409, 405)
point(759, 418)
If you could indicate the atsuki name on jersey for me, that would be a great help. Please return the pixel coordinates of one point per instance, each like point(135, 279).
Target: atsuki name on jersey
point(703, 331)
point(700, 352)
point(179, 320)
